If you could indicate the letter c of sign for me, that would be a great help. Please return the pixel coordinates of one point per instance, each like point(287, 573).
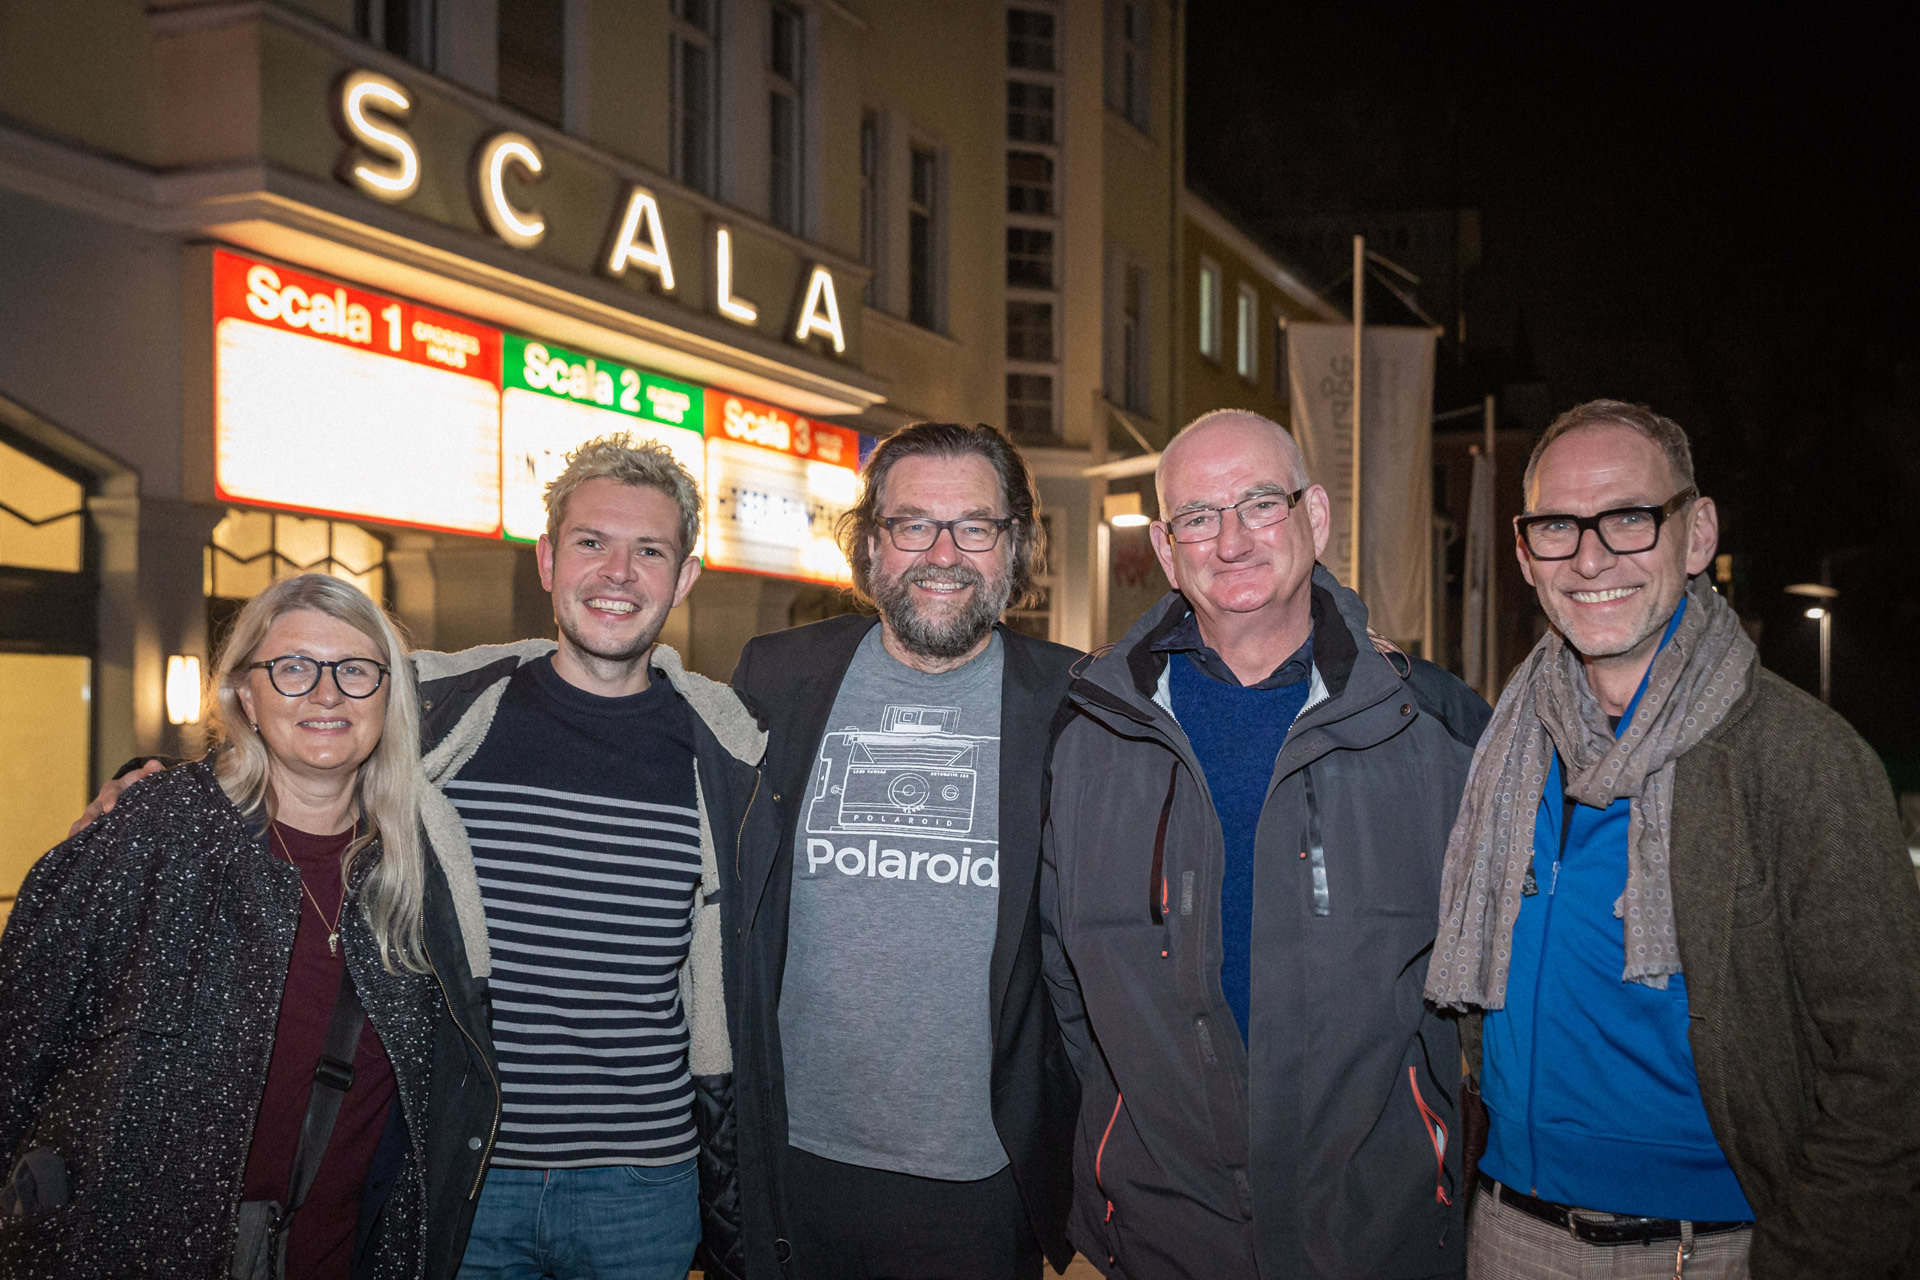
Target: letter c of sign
point(520, 228)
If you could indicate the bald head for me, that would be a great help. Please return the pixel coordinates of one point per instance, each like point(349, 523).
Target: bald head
point(1231, 430)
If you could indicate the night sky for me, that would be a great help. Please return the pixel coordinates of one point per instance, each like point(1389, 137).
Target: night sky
point(1716, 219)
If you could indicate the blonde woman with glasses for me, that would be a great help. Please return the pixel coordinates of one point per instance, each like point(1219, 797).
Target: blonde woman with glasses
point(219, 1003)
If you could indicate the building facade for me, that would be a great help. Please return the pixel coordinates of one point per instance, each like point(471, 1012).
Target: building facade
point(335, 284)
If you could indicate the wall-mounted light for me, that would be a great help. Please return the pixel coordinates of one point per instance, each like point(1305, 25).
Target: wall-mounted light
point(183, 689)
point(1122, 511)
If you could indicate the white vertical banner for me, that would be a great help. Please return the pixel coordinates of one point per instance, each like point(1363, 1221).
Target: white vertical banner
point(1396, 525)
point(1479, 571)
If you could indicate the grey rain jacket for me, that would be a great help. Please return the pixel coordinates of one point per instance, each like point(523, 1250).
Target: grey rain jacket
point(459, 694)
point(1330, 1144)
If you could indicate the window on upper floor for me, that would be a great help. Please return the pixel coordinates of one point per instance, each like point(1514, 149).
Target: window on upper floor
point(1282, 385)
point(1030, 40)
point(872, 208)
point(1029, 111)
point(695, 91)
point(785, 145)
point(1209, 309)
point(1030, 408)
point(405, 28)
point(1029, 182)
point(1246, 334)
point(1129, 69)
point(1029, 330)
point(533, 56)
point(1133, 338)
point(926, 241)
point(1029, 258)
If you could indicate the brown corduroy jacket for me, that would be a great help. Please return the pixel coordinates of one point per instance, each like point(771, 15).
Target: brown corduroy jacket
point(1799, 927)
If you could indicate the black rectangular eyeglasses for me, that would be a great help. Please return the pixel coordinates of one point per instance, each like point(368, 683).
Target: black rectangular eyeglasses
point(1623, 531)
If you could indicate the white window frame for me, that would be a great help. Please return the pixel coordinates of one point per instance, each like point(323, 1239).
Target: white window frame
point(873, 204)
point(1210, 286)
point(794, 90)
point(1246, 336)
point(1129, 73)
point(934, 209)
point(682, 32)
point(1052, 223)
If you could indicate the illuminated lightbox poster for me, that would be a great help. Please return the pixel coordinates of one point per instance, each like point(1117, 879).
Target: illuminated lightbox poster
point(333, 399)
point(556, 400)
point(777, 485)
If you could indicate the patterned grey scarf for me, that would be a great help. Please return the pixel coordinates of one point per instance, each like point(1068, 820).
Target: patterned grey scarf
point(1694, 682)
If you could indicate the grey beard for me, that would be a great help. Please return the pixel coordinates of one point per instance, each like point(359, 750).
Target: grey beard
point(942, 639)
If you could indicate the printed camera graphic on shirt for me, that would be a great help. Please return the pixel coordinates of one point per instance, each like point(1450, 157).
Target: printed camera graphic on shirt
point(915, 774)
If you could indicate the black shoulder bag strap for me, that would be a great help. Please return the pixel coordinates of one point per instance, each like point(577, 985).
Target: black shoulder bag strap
point(260, 1247)
point(331, 1080)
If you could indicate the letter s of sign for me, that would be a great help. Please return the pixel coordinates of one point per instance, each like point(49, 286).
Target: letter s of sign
point(520, 228)
point(263, 292)
point(380, 158)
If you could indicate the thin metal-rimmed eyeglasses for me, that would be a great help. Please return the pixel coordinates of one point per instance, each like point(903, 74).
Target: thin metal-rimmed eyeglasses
point(1623, 531)
point(295, 674)
point(1203, 524)
point(972, 533)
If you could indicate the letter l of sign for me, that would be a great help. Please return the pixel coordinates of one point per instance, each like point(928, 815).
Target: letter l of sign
point(737, 309)
point(641, 240)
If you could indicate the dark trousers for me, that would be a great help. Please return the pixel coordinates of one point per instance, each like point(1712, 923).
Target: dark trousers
point(849, 1222)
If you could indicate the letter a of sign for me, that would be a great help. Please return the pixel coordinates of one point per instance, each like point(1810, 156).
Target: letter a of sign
point(820, 313)
point(641, 241)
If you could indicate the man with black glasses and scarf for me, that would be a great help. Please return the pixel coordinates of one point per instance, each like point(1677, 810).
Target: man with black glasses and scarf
point(1679, 910)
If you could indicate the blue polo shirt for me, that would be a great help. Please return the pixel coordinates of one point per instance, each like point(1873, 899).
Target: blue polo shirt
point(1588, 1079)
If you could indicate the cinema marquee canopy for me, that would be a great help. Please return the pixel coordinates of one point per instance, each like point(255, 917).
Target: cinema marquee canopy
point(338, 400)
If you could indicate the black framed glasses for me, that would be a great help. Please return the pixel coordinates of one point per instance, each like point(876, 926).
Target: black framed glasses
point(295, 675)
point(973, 533)
point(1623, 531)
point(1203, 524)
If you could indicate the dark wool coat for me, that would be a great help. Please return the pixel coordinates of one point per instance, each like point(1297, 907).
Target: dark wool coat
point(140, 981)
point(1799, 925)
point(1310, 1150)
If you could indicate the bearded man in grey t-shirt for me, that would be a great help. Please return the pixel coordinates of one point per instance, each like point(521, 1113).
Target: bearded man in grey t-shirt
point(906, 1106)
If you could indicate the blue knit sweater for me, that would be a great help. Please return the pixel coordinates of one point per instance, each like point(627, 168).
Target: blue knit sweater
point(1236, 732)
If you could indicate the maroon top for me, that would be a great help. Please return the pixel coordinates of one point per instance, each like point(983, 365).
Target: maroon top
point(321, 1242)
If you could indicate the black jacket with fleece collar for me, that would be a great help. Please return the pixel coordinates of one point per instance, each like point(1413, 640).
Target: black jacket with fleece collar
point(459, 694)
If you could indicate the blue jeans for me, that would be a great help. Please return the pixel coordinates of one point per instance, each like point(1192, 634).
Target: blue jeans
point(620, 1222)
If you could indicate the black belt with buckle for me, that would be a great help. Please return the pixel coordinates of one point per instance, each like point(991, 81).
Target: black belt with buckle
point(1619, 1230)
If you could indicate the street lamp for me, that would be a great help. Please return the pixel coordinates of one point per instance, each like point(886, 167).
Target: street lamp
point(1821, 610)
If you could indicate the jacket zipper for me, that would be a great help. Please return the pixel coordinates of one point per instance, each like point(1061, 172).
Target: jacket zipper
point(494, 1131)
point(1546, 931)
point(740, 836)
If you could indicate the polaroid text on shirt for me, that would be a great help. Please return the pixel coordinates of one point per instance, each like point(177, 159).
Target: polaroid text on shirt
point(941, 866)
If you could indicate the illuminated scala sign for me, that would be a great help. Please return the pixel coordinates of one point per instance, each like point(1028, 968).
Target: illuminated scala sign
point(777, 484)
point(382, 160)
point(334, 399)
point(556, 399)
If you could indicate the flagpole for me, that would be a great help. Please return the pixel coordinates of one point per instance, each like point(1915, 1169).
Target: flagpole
point(1359, 328)
point(1493, 578)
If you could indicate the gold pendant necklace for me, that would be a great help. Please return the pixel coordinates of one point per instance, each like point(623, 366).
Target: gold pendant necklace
point(333, 929)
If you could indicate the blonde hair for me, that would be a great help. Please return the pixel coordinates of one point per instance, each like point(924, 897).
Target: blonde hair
point(390, 785)
point(644, 464)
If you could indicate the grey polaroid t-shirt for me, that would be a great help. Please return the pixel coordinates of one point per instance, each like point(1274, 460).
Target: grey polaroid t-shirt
point(896, 885)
